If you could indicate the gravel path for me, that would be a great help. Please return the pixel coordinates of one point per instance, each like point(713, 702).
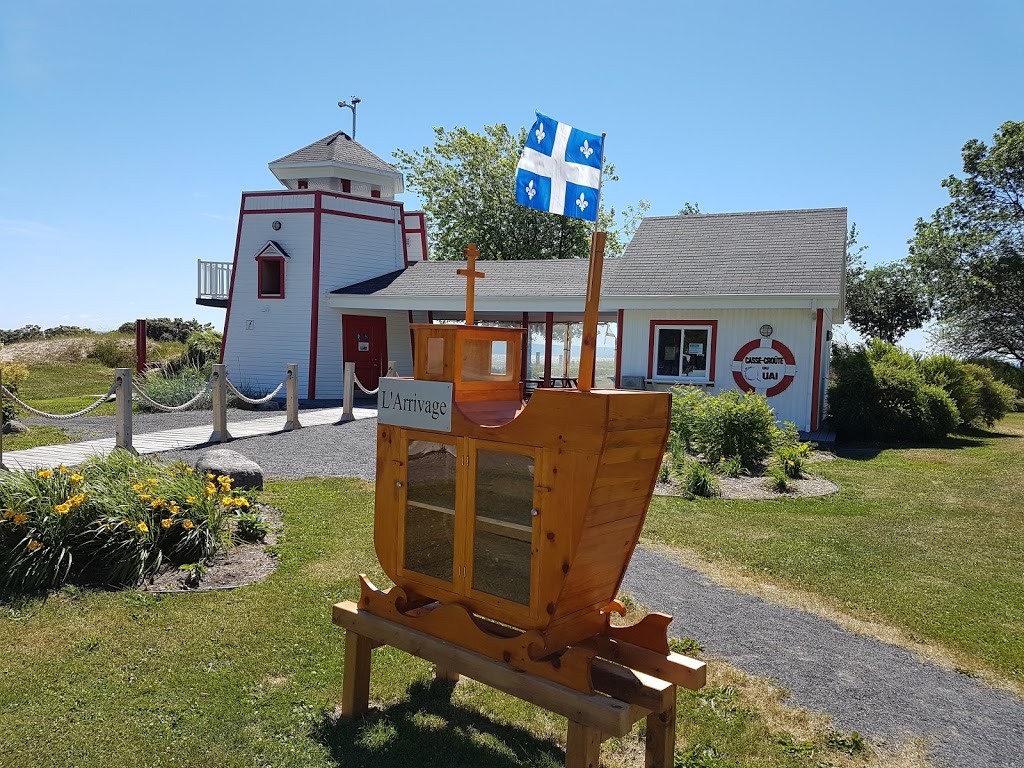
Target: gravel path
point(883, 691)
point(880, 690)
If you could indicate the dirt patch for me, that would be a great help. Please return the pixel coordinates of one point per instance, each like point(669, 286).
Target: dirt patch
point(237, 566)
point(63, 350)
point(745, 487)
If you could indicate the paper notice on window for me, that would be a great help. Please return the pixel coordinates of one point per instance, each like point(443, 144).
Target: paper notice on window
point(695, 349)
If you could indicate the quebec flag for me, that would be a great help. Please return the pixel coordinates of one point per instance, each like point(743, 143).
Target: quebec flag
point(560, 170)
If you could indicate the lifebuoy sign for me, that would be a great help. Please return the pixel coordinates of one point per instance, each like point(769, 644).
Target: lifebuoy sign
point(764, 366)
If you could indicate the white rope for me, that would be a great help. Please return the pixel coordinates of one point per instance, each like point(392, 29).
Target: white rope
point(61, 416)
point(169, 408)
point(360, 385)
point(250, 400)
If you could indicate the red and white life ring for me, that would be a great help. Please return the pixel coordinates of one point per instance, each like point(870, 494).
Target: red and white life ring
point(764, 366)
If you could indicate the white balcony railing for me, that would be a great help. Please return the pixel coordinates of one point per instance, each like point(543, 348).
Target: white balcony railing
point(214, 280)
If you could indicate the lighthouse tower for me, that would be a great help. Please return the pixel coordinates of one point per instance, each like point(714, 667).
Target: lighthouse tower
point(336, 223)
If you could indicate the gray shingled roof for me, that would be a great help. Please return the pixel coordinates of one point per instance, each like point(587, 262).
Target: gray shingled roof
point(567, 277)
point(737, 254)
point(337, 148)
point(770, 253)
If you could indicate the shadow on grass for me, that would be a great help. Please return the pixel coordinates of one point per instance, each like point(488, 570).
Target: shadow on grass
point(429, 729)
point(861, 451)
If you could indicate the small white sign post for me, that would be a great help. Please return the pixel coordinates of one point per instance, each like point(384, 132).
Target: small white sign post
point(415, 404)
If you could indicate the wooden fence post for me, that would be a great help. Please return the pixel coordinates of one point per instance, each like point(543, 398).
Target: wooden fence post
point(140, 346)
point(291, 389)
point(220, 405)
point(348, 394)
point(123, 419)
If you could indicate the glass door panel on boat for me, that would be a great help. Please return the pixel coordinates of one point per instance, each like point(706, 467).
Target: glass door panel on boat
point(428, 536)
point(503, 524)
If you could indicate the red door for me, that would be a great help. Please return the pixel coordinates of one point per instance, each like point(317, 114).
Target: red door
point(365, 343)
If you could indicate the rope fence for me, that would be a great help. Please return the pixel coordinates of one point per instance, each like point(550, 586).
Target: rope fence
point(251, 400)
point(138, 390)
point(60, 416)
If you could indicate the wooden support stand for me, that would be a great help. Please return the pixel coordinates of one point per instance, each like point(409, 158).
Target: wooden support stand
point(623, 698)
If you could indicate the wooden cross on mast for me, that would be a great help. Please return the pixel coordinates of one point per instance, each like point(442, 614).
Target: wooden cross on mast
point(471, 274)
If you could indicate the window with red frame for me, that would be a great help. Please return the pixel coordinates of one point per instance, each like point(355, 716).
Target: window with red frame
point(271, 277)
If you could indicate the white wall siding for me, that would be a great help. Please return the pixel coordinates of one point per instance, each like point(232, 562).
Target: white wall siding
point(265, 335)
point(793, 327)
point(415, 236)
point(283, 200)
point(368, 207)
point(330, 366)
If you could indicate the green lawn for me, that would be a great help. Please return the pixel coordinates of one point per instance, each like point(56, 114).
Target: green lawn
point(67, 387)
point(250, 677)
point(928, 540)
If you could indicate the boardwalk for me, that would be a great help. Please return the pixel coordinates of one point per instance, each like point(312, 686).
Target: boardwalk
point(70, 454)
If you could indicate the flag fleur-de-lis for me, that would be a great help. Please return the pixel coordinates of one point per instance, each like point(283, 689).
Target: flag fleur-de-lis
point(539, 133)
point(582, 203)
point(530, 190)
point(586, 149)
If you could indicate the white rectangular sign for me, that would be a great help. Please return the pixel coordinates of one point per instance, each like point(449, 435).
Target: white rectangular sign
point(415, 404)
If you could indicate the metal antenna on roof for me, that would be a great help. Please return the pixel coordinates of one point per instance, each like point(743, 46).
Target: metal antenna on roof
point(352, 106)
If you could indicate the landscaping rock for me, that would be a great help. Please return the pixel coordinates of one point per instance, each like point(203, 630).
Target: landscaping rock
point(13, 427)
point(222, 461)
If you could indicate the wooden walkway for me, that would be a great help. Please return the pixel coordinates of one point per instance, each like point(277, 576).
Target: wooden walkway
point(70, 454)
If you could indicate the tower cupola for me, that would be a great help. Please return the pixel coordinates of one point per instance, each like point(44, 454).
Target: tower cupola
point(338, 163)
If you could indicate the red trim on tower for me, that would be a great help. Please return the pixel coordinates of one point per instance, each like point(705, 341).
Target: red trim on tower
point(618, 349)
point(351, 215)
point(339, 195)
point(819, 324)
point(405, 243)
point(713, 358)
point(314, 304)
point(234, 271)
point(282, 210)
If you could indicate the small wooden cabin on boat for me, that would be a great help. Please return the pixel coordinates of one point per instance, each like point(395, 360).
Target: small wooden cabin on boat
point(333, 269)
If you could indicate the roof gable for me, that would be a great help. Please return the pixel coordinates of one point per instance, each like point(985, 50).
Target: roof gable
point(337, 148)
point(272, 250)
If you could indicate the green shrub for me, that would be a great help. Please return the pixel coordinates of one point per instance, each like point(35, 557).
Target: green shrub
point(959, 382)
point(1010, 374)
point(62, 331)
point(686, 401)
point(665, 470)
point(734, 424)
point(791, 461)
point(698, 479)
point(777, 480)
point(114, 352)
point(177, 389)
point(113, 521)
point(729, 466)
point(202, 350)
point(995, 398)
point(11, 376)
point(251, 526)
point(166, 329)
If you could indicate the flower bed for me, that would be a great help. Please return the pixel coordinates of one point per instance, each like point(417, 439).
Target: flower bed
point(113, 521)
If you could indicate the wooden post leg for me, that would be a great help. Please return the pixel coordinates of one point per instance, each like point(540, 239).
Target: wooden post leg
point(661, 737)
point(355, 695)
point(443, 674)
point(583, 746)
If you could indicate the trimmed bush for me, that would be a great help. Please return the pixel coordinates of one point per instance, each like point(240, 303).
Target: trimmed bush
point(734, 424)
point(114, 352)
point(995, 398)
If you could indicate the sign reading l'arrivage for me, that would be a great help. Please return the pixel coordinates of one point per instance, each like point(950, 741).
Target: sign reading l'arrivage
point(416, 404)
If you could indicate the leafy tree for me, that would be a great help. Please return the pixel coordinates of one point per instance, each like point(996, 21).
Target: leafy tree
point(467, 183)
point(971, 252)
point(883, 302)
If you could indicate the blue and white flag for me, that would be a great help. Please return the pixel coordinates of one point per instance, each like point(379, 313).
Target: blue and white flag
point(560, 170)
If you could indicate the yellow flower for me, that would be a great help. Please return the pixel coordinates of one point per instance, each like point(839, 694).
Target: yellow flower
point(77, 499)
point(44, 473)
point(138, 487)
point(188, 525)
point(157, 503)
point(152, 481)
point(189, 470)
point(34, 545)
point(20, 518)
point(210, 476)
point(8, 514)
point(790, 463)
point(241, 502)
point(76, 479)
point(190, 499)
point(226, 501)
point(62, 509)
point(166, 523)
point(62, 469)
point(143, 527)
point(175, 509)
point(144, 497)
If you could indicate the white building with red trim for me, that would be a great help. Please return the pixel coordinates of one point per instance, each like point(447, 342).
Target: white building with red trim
point(333, 269)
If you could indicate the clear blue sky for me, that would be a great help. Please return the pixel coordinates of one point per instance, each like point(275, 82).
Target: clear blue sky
point(129, 129)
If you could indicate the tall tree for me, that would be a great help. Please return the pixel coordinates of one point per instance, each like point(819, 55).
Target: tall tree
point(466, 181)
point(971, 252)
point(883, 302)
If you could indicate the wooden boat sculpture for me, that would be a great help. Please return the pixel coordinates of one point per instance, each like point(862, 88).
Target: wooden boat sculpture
point(510, 534)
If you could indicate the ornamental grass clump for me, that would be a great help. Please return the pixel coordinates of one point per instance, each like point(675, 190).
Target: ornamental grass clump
point(698, 479)
point(114, 521)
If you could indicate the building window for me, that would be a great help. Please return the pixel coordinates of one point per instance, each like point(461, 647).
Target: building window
point(346, 186)
point(683, 351)
point(375, 192)
point(271, 277)
point(303, 183)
